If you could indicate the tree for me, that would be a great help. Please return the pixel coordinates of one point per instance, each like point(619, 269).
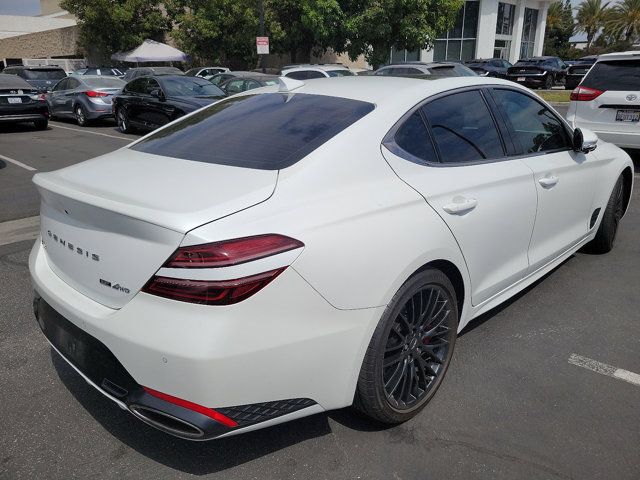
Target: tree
point(559, 29)
point(296, 27)
point(109, 26)
point(624, 21)
point(592, 16)
point(216, 31)
point(372, 27)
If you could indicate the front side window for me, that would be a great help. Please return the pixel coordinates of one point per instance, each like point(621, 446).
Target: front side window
point(61, 85)
point(340, 73)
point(463, 128)
point(536, 128)
point(268, 132)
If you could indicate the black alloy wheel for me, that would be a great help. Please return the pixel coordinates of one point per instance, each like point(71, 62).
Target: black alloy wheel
point(123, 121)
point(411, 349)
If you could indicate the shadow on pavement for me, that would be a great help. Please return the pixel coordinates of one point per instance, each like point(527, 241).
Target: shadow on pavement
point(196, 458)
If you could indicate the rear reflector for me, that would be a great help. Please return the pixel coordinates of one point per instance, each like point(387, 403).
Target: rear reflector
point(585, 94)
point(209, 412)
point(93, 93)
point(210, 292)
point(231, 252)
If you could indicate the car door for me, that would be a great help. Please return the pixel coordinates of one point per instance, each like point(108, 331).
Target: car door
point(132, 99)
point(564, 180)
point(56, 97)
point(452, 151)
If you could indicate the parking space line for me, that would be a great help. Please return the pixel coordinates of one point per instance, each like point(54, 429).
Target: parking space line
point(16, 162)
point(604, 369)
point(19, 230)
point(90, 131)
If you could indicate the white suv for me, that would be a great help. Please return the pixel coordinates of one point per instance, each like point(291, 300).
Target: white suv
point(607, 100)
point(307, 72)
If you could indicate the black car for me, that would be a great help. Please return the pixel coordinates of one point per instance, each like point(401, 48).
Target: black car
point(149, 102)
point(136, 72)
point(538, 72)
point(577, 71)
point(489, 67)
point(21, 102)
point(43, 78)
point(248, 82)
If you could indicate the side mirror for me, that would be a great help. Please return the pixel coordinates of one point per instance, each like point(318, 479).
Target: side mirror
point(584, 140)
point(157, 93)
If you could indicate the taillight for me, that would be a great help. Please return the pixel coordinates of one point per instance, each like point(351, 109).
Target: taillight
point(221, 254)
point(585, 94)
point(231, 252)
point(209, 412)
point(93, 93)
point(210, 292)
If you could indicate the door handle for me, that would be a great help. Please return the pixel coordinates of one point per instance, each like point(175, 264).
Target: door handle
point(548, 181)
point(460, 205)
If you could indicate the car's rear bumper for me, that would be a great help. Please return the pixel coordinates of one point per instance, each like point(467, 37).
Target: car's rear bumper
point(285, 352)
point(529, 81)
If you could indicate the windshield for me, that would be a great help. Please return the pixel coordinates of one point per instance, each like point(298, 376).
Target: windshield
point(340, 73)
point(268, 132)
point(105, 82)
point(190, 87)
point(532, 61)
point(42, 74)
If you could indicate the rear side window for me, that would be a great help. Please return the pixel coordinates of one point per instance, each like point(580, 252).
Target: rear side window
point(463, 128)
point(535, 127)
point(621, 75)
point(413, 138)
point(268, 132)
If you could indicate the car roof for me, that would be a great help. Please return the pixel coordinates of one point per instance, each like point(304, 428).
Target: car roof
point(620, 55)
point(37, 67)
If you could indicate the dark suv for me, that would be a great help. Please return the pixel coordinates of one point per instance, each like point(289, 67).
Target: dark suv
point(42, 78)
point(538, 72)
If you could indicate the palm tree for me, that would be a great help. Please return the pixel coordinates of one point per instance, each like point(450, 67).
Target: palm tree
point(625, 20)
point(592, 16)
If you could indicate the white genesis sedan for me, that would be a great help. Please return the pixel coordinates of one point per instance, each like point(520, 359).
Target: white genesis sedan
point(310, 246)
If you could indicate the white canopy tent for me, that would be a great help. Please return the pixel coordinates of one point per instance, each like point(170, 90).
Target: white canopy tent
point(151, 51)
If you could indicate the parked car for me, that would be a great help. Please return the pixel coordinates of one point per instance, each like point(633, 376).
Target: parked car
point(577, 71)
point(42, 78)
point(241, 268)
point(147, 103)
point(136, 72)
point(411, 69)
point(220, 78)
point(248, 81)
point(309, 71)
point(100, 71)
point(85, 98)
point(205, 72)
point(492, 67)
point(608, 99)
point(538, 72)
point(22, 102)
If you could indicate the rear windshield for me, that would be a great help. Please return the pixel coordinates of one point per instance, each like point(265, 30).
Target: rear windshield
point(105, 82)
point(42, 74)
point(533, 61)
point(340, 73)
point(267, 132)
point(614, 75)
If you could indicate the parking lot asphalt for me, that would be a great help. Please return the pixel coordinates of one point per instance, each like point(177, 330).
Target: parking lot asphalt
point(517, 401)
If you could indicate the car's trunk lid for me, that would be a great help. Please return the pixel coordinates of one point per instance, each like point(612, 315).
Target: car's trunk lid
point(108, 224)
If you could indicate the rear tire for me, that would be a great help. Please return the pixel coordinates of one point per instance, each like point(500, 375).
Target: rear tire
point(608, 229)
point(41, 124)
point(410, 351)
point(81, 117)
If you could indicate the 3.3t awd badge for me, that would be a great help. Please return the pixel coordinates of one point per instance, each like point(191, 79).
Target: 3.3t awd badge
point(117, 286)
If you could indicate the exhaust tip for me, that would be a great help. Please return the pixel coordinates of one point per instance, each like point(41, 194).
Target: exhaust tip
point(167, 423)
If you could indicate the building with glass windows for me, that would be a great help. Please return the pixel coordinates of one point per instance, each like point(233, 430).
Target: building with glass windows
point(510, 29)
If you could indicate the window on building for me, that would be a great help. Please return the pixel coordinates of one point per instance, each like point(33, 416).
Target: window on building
point(501, 48)
point(529, 32)
point(399, 56)
point(506, 14)
point(459, 43)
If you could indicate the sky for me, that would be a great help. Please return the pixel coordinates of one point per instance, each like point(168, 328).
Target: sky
point(19, 7)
